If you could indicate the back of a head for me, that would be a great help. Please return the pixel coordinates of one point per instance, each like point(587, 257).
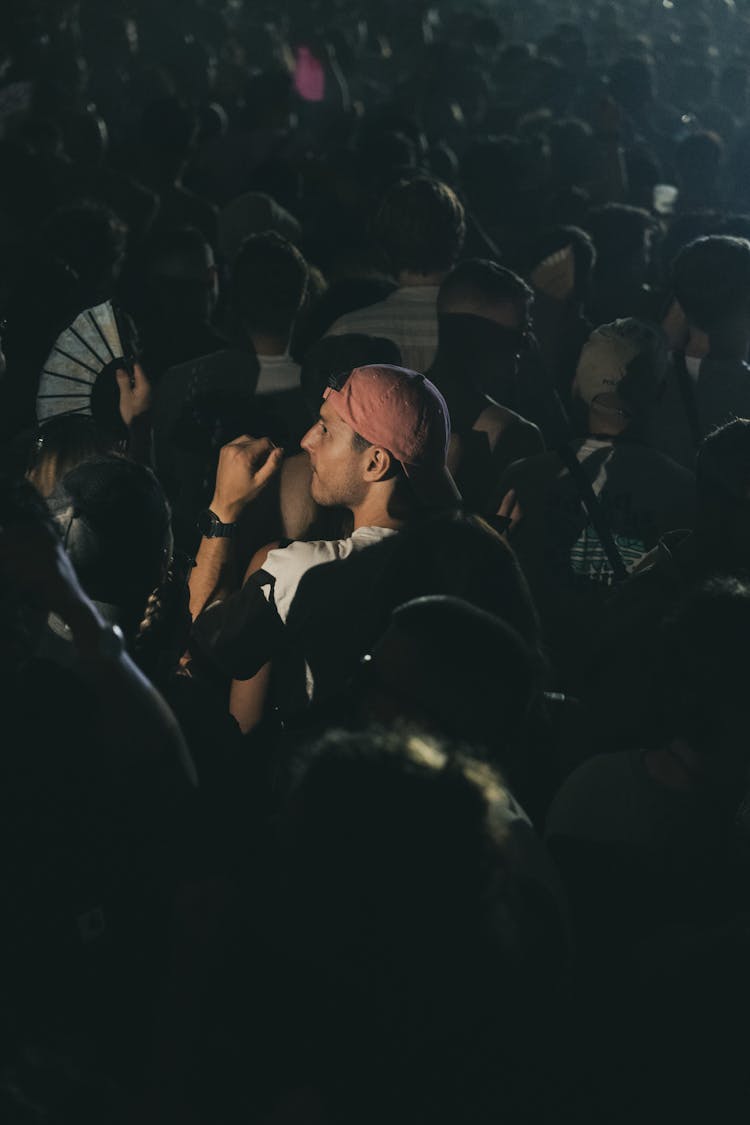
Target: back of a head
point(684, 228)
point(479, 287)
point(402, 896)
point(711, 280)
point(419, 826)
point(253, 213)
point(168, 128)
point(617, 231)
point(385, 154)
point(89, 239)
point(699, 155)
point(181, 274)
point(421, 226)
point(179, 255)
point(459, 667)
point(269, 282)
point(115, 522)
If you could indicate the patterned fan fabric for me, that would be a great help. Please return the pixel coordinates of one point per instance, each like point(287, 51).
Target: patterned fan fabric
point(79, 355)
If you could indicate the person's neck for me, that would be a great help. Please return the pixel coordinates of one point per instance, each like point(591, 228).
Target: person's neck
point(268, 345)
point(409, 280)
point(376, 511)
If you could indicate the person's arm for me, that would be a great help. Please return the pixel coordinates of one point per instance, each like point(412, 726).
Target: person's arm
point(245, 467)
point(247, 698)
point(34, 562)
point(298, 509)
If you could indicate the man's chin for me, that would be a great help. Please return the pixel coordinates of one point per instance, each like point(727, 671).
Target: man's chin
point(316, 493)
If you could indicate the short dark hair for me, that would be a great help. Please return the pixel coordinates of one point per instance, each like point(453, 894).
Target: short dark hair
point(617, 229)
point(421, 225)
point(168, 128)
point(359, 443)
point(699, 154)
point(482, 281)
point(491, 669)
point(178, 253)
point(115, 520)
point(711, 280)
point(88, 237)
point(269, 283)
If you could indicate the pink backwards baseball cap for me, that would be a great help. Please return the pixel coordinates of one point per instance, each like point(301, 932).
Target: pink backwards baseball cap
point(405, 413)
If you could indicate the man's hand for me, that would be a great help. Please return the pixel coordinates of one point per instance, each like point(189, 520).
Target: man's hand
point(135, 394)
point(246, 465)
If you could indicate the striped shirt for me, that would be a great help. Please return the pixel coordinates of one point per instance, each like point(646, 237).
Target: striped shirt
point(408, 317)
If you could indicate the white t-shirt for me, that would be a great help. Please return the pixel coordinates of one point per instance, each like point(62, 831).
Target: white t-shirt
point(287, 565)
point(247, 629)
point(277, 373)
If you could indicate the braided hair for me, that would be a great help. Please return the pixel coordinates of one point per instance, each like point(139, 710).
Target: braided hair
point(162, 634)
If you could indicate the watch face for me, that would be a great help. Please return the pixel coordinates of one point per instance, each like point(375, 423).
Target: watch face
point(207, 523)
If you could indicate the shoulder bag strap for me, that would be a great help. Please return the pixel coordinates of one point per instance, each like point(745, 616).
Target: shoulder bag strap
point(594, 510)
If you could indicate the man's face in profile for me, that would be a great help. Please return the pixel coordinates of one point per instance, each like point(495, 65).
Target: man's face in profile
point(336, 465)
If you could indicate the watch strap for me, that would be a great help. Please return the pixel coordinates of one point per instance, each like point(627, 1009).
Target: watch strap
point(211, 527)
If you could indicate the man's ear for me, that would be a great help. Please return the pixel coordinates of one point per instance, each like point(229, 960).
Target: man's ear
point(379, 464)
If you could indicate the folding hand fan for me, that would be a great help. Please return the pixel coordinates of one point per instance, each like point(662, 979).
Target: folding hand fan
point(78, 377)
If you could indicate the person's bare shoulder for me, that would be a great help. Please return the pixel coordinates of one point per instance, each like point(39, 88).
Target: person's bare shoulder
point(298, 509)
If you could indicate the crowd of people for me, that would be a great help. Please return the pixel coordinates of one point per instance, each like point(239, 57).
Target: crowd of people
point(374, 562)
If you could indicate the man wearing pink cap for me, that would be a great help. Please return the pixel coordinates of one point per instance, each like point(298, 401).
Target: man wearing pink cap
point(378, 448)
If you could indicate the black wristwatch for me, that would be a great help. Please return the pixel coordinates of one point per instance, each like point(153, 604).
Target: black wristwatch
point(211, 527)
